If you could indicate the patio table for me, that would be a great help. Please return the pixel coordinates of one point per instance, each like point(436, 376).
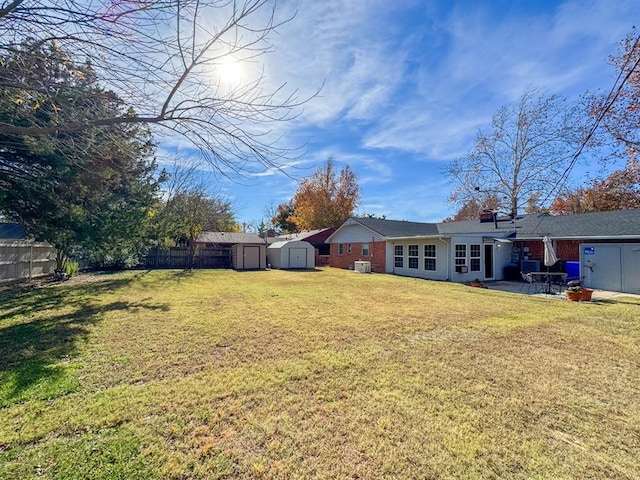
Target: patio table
point(549, 279)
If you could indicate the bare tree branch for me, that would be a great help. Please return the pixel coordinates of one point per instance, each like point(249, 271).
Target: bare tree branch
point(163, 58)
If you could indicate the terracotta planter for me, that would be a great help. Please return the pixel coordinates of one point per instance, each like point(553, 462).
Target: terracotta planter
point(476, 284)
point(573, 296)
point(585, 294)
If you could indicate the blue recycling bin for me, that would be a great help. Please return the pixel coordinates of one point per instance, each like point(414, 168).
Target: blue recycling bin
point(573, 270)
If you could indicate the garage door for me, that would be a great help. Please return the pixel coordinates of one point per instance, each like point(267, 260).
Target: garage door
point(298, 258)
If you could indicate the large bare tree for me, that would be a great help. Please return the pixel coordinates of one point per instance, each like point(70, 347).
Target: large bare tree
point(523, 155)
point(619, 111)
point(165, 58)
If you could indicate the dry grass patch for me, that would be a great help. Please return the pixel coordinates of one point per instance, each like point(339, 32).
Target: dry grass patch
point(323, 374)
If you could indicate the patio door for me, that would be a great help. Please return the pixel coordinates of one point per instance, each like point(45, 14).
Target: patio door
point(488, 262)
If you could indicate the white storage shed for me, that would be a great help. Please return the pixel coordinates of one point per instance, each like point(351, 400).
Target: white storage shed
point(291, 254)
point(245, 256)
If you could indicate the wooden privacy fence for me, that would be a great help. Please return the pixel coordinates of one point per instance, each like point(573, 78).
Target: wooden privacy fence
point(177, 257)
point(24, 260)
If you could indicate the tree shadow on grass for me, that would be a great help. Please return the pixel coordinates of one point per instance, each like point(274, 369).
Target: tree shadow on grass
point(36, 343)
point(28, 300)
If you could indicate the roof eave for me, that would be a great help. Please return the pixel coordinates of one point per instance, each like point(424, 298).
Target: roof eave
point(413, 237)
point(580, 237)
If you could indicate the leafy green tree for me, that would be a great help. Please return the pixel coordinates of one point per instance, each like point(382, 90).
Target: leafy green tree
point(89, 191)
point(187, 214)
point(167, 58)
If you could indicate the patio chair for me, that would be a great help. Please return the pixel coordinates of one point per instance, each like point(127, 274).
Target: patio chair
point(530, 282)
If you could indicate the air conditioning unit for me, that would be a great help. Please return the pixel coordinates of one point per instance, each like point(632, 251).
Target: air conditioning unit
point(462, 269)
point(527, 266)
point(362, 267)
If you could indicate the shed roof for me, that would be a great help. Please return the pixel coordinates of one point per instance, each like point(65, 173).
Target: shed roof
point(229, 238)
point(284, 243)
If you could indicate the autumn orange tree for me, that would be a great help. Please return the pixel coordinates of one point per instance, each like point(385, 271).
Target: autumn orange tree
point(282, 218)
point(326, 199)
point(620, 190)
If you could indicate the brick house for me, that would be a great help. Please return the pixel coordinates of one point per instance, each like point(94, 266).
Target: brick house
point(604, 244)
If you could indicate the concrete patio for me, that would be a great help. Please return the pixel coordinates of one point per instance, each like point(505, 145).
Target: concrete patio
point(522, 288)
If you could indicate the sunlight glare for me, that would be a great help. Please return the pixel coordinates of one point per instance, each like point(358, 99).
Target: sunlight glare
point(229, 71)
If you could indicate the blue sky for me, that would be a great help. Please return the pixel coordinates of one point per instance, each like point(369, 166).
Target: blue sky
point(408, 84)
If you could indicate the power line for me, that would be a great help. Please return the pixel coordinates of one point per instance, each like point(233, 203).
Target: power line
point(608, 104)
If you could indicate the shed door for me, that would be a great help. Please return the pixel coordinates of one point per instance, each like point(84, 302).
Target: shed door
point(297, 258)
point(602, 266)
point(251, 257)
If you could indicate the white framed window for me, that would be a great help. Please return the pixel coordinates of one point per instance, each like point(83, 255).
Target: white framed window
point(412, 254)
point(398, 255)
point(474, 258)
point(430, 257)
point(340, 249)
point(461, 254)
point(365, 249)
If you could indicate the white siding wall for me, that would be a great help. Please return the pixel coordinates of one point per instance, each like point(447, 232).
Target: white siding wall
point(442, 262)
point(467, 240)
point(355, 234)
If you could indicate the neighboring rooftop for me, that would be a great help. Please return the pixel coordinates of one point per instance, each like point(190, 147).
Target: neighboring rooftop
point(318, 235)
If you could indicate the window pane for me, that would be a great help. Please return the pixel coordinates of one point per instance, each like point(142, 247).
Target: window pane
point(398, 250)
point(413, 262)
point(430, 264)
point(429, 250)
point(461, 254)
point(398, 262)
point(365, 249)
point(413, 250)
point(475, 264)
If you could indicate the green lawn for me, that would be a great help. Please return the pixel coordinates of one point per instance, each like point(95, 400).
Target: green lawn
point(313, 375)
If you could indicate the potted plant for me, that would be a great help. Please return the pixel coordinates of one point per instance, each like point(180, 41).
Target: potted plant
point(585, 294)
point(476, 282)
point(574, 293)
